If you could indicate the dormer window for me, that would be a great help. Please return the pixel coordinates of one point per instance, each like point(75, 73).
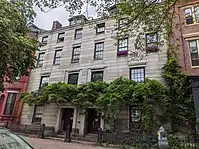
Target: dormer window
point(77, 19)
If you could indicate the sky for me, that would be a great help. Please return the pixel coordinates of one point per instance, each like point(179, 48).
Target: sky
point(45, 20)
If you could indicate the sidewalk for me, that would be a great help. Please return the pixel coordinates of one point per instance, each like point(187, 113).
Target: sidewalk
point(59, 144)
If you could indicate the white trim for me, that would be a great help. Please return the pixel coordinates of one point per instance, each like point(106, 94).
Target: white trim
point(10, 91)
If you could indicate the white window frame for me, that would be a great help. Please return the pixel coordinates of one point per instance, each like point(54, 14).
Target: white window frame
point(197, 44)
point(193, 13)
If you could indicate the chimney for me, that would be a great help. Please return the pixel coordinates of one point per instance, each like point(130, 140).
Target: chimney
point(56, 25)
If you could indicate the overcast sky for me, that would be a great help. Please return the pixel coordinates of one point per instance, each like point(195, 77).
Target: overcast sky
point(45, 20)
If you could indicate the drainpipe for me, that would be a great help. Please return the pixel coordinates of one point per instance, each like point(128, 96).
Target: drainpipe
point(183, 42)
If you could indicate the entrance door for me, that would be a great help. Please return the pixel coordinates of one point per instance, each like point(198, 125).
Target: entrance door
point(93, 120)
point(67, 118)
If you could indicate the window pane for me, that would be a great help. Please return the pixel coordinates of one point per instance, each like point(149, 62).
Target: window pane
point(189, 16)
point(44, 80)
point(38, 113)
point(57, 57)
point(123, 22)
point(44, 40)
point(73, 78)
point(151, 38)
point(188, 12)
point(137, 74)
point(78, 33)
point(100, 28)
point(76, 54)
point(40, 59)
point(123, 44)
point(97, 76)
point(10, 103)
point(60, 37)
point(193, 46)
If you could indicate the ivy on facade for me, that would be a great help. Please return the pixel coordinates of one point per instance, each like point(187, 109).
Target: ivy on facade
point(160, 103)
point(109, 96)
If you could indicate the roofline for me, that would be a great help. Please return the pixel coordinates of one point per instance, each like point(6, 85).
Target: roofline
point(72, 26)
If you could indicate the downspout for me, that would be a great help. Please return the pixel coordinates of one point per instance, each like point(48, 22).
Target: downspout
point(183, 43)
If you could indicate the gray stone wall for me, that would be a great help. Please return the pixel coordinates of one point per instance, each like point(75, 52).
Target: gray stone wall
point(112, 65)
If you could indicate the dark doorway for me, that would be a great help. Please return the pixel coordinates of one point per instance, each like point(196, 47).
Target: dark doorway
point(67, 118)
point(93, 120)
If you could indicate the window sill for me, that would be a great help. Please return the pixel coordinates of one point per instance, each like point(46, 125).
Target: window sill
point(192, 24)
point(77, 38)
point(100, 33)
point(74, 62)
point(60, 41)
point(56, 64)
point(194, 67)
point(97, 59)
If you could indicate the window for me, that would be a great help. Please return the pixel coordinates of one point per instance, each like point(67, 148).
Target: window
point(38, 113)
point(151, 39)
point(73, 78)
point(122, 47)
point(194, 52)
point(40, 59)
point(44, 40)
point(189, 16)
point(135, 117)
point(57, 57)
point(44, 81)
point(100, 28)
point(97, 76)
point(123, 23)
point(137, 74)
point(60, 37)
point(76, 54)
point(99, 48)
point(78, 33)
point(10, 103)
point(197, 14)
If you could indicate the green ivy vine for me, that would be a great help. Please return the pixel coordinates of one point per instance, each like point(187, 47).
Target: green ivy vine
point(180, 104)
point(160, 103)
point(109, 96)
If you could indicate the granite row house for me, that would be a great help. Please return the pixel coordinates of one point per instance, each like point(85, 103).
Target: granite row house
point(77, 54)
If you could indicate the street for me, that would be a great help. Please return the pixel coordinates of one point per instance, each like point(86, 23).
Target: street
point(54, 144)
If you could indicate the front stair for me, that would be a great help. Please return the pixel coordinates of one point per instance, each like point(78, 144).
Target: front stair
point(90, 137)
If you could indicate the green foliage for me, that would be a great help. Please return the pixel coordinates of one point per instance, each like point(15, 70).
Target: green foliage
point(180, 101)
point(108, 96)
point(16, 47)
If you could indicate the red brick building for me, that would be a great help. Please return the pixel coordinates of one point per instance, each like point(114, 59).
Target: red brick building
point(186, 37)
point(10, 103)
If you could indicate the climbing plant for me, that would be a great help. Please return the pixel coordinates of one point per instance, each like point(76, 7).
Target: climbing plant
point(108, 96)
point(180, 105)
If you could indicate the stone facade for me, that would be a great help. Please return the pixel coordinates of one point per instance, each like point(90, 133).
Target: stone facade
point(112, 65)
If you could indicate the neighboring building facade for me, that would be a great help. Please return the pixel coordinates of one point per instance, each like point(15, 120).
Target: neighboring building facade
point(10, 104)
point(186, 33)
point(78, 54)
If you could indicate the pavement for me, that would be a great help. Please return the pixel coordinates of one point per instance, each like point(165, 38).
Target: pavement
point(56, 144)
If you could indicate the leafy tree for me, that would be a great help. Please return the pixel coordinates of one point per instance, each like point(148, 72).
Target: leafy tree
point(16, 47)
